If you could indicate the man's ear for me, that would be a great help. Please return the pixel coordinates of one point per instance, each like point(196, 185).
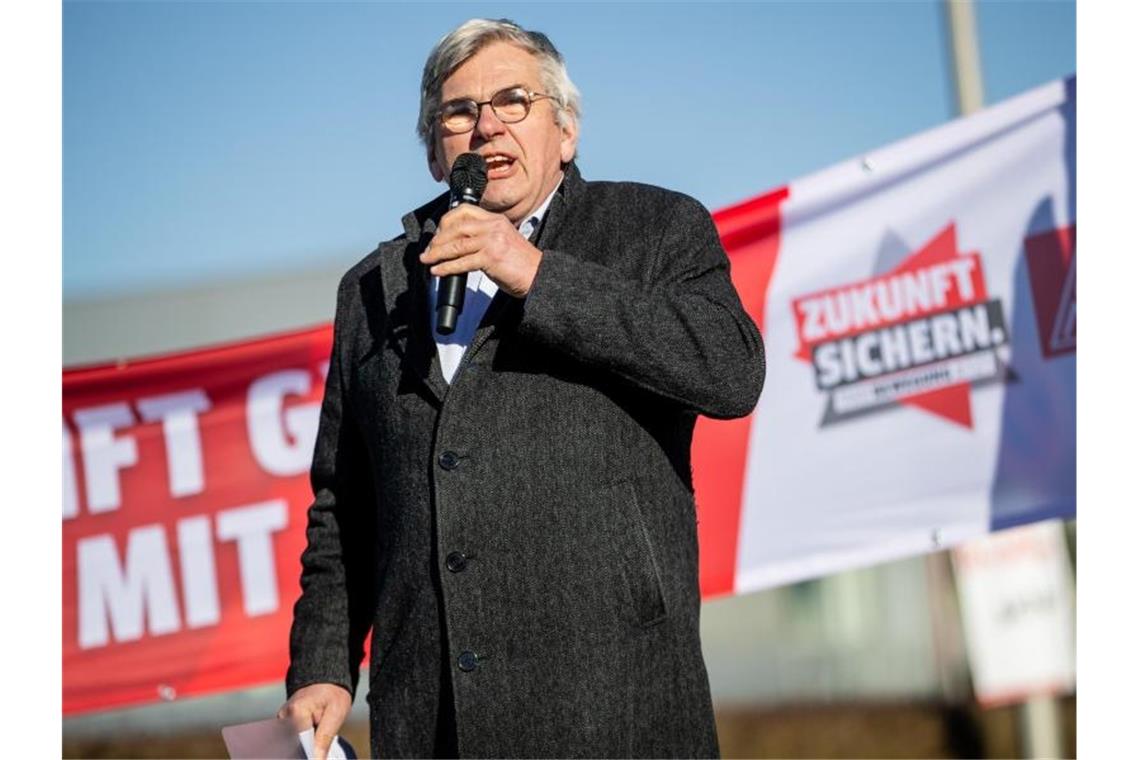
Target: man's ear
point(436, 170)
point(568, 146)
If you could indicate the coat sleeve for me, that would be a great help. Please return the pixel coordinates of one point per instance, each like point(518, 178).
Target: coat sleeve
point(333, 614)
point(680, 333)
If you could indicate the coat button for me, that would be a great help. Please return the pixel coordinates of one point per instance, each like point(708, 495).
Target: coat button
point(456, 562)
point(449, 460)
point(468, 661)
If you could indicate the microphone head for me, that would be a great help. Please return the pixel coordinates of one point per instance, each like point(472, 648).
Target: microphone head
point(468, 176)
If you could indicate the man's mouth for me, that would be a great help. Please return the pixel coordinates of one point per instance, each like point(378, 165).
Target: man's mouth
point(499, 165)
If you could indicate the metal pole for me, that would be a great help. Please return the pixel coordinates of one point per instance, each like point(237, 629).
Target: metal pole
point(1039, 725)
point(967, 61)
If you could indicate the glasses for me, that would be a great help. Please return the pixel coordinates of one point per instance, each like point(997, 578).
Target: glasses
point(510, 106)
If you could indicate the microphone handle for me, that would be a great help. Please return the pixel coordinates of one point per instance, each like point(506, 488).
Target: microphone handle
point(453, 287)
point(452, 290)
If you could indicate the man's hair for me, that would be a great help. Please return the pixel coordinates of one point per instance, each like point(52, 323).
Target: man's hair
point(468, 39)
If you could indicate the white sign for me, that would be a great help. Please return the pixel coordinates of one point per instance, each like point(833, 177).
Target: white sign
point(1016, 594)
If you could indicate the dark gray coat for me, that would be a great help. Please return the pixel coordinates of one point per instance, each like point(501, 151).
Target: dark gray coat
point(532, 526)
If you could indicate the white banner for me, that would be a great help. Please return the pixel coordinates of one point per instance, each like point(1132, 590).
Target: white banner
point(921, 340)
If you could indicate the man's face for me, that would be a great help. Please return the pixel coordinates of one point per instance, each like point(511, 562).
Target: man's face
point(534, 148)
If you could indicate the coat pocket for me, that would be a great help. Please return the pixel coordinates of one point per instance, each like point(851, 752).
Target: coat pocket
point(635, 556)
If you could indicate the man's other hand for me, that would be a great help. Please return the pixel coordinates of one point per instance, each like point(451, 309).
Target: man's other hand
point(320, 706)
point(471, 238)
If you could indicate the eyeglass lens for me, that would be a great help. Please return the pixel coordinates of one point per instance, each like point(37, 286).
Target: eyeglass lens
point(509, 106)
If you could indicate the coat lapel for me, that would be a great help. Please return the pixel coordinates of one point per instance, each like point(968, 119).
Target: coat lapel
point(406, 301)
point(422, 353)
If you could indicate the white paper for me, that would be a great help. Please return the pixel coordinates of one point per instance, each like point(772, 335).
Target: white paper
point(336, 750)
point(272, 738)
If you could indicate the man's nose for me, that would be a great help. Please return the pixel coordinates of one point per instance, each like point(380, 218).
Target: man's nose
point(488, 124)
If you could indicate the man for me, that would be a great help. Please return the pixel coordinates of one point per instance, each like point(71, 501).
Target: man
point(509, 509)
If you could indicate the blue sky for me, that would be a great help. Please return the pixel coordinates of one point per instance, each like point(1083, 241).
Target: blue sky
point(208, 140)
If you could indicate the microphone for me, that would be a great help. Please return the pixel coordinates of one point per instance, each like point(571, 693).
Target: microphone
point(468, 180)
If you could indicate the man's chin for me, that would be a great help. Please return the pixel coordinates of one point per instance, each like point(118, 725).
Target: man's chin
point(498, 205)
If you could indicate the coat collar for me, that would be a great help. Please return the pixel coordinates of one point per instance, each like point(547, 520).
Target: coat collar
point(406, 282)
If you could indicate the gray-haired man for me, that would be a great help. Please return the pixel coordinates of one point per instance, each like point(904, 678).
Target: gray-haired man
point(509, 508)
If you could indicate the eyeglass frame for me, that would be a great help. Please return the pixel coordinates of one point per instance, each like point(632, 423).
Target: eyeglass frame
point(530, 95)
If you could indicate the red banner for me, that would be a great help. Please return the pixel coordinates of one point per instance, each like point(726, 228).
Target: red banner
point(185, 498)
point(185, 490)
